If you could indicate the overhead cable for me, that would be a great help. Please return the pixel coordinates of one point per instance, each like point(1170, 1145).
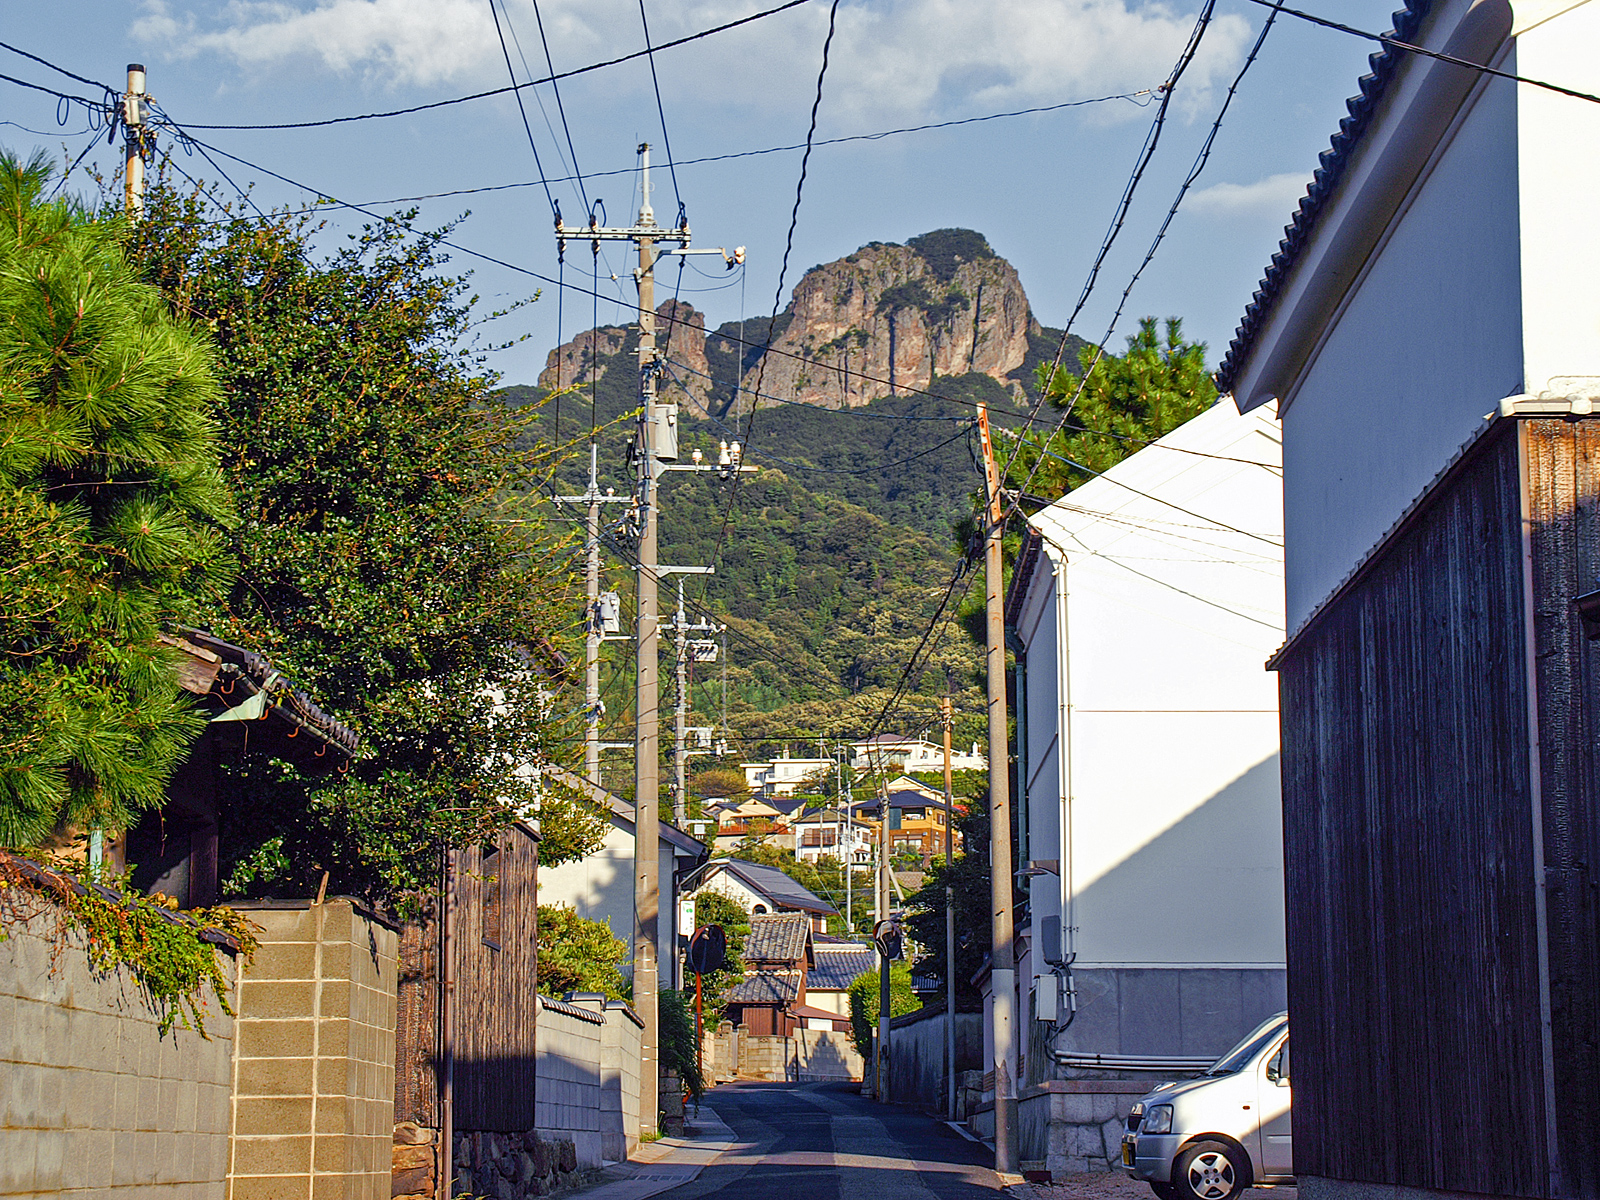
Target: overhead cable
point(1395, 43)
point(551, 78)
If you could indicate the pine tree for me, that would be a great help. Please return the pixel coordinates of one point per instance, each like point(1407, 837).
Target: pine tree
point(111, 508)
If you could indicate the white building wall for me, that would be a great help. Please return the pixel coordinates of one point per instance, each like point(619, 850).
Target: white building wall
point(1152, 738)
point(1425, 347)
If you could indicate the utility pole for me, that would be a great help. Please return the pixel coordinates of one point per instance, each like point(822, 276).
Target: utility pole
point(699, 650)
point(133, 109)
point(946, 720)
point(595, 622)
point(1002, 953)
point(655, 449)
point(885, 993)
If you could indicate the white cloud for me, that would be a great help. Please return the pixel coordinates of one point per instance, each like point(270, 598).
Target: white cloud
point(890, 57)
point(1276, 194)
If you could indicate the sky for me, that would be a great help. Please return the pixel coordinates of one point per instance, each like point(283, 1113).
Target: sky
point(1042, 187)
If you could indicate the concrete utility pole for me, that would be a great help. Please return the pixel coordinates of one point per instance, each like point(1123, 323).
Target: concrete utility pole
point(655, 451)
point(946, 720)
point(885, 993)
point(133, 108)
point(1002, 954)
point(697, 650)
point(594, 623)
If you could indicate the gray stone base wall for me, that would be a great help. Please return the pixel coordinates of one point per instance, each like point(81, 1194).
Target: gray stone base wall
point(1074, 1126)
point(514, 1166)
point(1177, 1011)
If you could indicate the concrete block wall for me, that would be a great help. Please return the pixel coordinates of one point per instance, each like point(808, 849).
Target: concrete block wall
point(93, 1100)
point(916, 1055)
point(568, 1094)
point(824, 1054)
point(619, 1079)
point(313, 1109)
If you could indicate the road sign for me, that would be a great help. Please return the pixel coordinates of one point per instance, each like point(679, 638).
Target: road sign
point(708, 949)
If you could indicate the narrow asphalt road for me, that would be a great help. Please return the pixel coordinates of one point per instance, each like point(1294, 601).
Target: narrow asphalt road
point(824, 1142)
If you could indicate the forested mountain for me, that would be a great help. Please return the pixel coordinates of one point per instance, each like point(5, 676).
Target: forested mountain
point(836, 554)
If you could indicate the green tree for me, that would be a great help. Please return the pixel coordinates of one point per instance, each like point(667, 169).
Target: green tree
point(579, 955)
point(1118, 405)
point(866, 994)
point(676, 1017)
point(392, 555)
point(111, 512)
point(713, 908)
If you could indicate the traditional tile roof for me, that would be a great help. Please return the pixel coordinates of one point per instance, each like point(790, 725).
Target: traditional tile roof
point(837, 967)
point(766, 987)
point(778, 937)
point(1324, 183)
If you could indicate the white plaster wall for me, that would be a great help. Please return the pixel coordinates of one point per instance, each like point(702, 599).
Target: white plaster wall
point(1172, 847)
point(1560, 198)
point(1423, 349)
point(600, 888)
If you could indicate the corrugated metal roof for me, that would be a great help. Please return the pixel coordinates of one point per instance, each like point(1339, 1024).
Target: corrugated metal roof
point(766, 987)
point(1334, 160)
point(777, 937)
point(837, 967)
point(775, 886)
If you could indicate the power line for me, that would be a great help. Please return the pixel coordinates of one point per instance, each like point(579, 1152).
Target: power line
point(45, 62)
point(666, 138)
point(551, 78)
point(783, 268)
point(1120, 216)
point(1199, 165)
point(521, 108)
point(1396, 44)
point(561, 109)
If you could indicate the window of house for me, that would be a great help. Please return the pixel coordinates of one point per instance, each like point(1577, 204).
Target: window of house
point(489, 868)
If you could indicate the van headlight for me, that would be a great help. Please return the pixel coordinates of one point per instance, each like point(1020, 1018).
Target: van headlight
point(1157, 1119)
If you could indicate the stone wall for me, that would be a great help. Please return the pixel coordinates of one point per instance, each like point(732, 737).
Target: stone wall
point(916, 1055)
point(92, 1098)
point(314, 1074)
point(619, 1081)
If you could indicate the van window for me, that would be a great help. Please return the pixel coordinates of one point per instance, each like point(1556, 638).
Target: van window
point(1241, 1054)
point(1278, 1068)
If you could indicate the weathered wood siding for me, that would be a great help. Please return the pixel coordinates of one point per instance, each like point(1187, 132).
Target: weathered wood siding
point(1563, 472)
point(495, 999)
point(1414, 990)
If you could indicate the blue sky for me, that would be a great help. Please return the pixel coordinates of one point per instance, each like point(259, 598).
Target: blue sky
point(1041, 187)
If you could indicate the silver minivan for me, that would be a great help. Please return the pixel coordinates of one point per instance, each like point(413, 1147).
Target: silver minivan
point(1212, 1137)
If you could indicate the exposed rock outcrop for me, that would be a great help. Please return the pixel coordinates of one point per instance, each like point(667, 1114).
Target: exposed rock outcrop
point(891, 317)
point(884, 320)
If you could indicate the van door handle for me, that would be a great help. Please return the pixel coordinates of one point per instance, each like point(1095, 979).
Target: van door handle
point(1247, 1108)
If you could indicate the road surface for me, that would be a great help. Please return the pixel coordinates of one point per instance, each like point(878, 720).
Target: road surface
point(824, 1142)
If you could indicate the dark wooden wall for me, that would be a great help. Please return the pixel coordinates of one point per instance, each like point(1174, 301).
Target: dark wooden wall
point(1563, 470)
point(1409, 856)
point(495, 998)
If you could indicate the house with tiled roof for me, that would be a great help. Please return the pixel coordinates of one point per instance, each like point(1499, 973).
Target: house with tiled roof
point(760, 890)
point(777, 955)
point(1429, 332)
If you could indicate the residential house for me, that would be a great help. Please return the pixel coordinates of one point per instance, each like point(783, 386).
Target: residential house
point(917, 819)
point(832, 833)
point(784, 776)
point(1143, 605)
point(599, 886)
point(760, 889)
point(771, 998)
point(1428, 333)
point(751, 817)
point(835, 966)
point(896, 752)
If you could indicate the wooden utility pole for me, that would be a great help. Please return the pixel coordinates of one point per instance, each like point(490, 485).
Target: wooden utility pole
point(946, 720)
point(133, 108)
point(1002, 953)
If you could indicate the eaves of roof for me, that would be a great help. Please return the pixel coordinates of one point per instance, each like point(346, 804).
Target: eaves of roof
point(621, 808)
point(1324, 183)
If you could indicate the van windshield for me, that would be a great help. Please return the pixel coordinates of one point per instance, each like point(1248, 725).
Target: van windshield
point(1235, 1059)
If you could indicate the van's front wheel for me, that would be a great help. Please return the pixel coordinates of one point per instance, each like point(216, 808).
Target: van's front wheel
point(1209, 1171)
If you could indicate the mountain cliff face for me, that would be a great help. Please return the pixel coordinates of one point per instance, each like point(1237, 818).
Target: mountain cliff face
point(889, 317)
point(876, 323)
